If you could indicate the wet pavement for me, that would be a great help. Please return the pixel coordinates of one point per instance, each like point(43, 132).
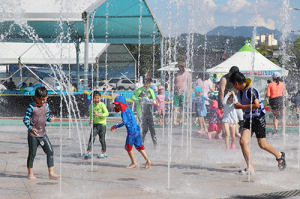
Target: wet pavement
point(199, 167)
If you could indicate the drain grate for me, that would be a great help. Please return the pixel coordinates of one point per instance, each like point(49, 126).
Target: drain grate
point(127, 179)
point(46, 183)
point(190, 173)
point(230, 167)
point(274, 195)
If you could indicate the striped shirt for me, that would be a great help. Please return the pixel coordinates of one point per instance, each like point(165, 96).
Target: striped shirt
point(36, 117)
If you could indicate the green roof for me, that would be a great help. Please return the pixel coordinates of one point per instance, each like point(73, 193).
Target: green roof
point(247, 47)
point(115, 21)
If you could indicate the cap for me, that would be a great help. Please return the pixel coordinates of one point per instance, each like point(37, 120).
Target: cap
point(234, 69)
point(198, 89)
point(120, 99)
point(180, 63)
point(276, 75)
point(160, 88)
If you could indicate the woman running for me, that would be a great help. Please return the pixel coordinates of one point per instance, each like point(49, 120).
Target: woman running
point(275, 92)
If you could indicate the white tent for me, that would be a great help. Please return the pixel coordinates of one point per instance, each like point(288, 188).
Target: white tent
point(172, 68)
point(263, 68)
point(65, 53)
point(41, 55)
point(243, 59)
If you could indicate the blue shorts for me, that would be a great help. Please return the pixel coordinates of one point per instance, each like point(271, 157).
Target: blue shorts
point(136, 140)
point(202, 113)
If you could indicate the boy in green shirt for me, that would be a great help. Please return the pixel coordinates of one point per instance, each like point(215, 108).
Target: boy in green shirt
point(144, 111)
point(98, 114)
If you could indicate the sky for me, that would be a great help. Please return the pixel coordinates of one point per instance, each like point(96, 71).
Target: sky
point(201, 16)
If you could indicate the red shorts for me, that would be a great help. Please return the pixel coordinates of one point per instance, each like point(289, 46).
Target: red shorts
point(215, 127)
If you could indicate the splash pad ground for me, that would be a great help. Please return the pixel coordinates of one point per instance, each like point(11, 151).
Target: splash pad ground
point(205, 171)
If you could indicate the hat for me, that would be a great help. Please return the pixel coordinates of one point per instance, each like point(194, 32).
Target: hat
point(198, 89)
point(276, 75)
point(234, 69)
point(180, 63)
point(120, 99)
point(161, 88)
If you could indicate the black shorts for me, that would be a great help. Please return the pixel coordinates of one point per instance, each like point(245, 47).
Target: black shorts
point(276, 103)
point(258, 125)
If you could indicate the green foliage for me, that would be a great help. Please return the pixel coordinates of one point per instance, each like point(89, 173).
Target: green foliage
point(294, 53)
point(146, 58)
point(275, 62)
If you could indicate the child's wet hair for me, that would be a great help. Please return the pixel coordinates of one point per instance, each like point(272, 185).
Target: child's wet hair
point(95, 93)
point(41, 91)
point(237, 77)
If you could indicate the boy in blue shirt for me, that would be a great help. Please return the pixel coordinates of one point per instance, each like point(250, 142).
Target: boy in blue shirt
point(133, 131)
point(35, 119)
point(248, 97)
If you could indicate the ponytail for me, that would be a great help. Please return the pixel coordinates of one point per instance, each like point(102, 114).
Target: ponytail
point(277, 80)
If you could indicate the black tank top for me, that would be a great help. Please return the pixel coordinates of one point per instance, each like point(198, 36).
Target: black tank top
point(228, 88)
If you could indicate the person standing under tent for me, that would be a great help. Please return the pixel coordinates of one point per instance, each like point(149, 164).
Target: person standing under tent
point(206, 85)
point(275, 92)
point(144, 110)
point(182, 89)
point(249, 98)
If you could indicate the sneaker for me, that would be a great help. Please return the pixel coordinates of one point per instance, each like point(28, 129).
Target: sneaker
point(218, 137)
point(275, 131)
point(209, 136)
point(228, 149)
point(87, 156)
point(238, 135)
point(160, 124)
point(102, 155)
point(233, 146)
point(200, 131)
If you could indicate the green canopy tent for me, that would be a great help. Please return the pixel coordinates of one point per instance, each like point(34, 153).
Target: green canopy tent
point(113, 21)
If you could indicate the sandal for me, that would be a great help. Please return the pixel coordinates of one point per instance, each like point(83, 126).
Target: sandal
point(244, 172)
point(282, 165)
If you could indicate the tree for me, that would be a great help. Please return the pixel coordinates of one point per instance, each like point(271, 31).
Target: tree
point(294, 53)
point(146, 57)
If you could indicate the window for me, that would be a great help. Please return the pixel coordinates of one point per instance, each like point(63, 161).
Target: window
point(113, 81)
point(126, 81)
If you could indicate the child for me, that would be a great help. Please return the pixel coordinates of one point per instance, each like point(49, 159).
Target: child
point(249, 97)
point(35, 119)
point(98, 112)
point(161, 98)
point(215, 126)
point(144, 110)
point(201, 108)
point(133, 131)
point(230, 118)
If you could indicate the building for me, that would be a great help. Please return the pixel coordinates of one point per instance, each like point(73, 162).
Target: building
point(267, 38)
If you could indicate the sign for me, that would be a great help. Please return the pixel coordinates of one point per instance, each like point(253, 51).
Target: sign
point(260, 72)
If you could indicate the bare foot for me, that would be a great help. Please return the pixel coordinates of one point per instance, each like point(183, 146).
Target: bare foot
point(31, 177)
point(53, 175)
point(132, 166)
point(147, 166)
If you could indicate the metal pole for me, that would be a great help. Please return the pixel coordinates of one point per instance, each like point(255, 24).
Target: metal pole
point(77, 61)
point(161, 60)
point(20, 66)
point(86, 50)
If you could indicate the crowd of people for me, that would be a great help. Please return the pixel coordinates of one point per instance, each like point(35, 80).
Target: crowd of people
point(238, 104)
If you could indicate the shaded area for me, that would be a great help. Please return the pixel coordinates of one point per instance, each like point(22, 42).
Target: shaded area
point(274, 195)
point(15, 106)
